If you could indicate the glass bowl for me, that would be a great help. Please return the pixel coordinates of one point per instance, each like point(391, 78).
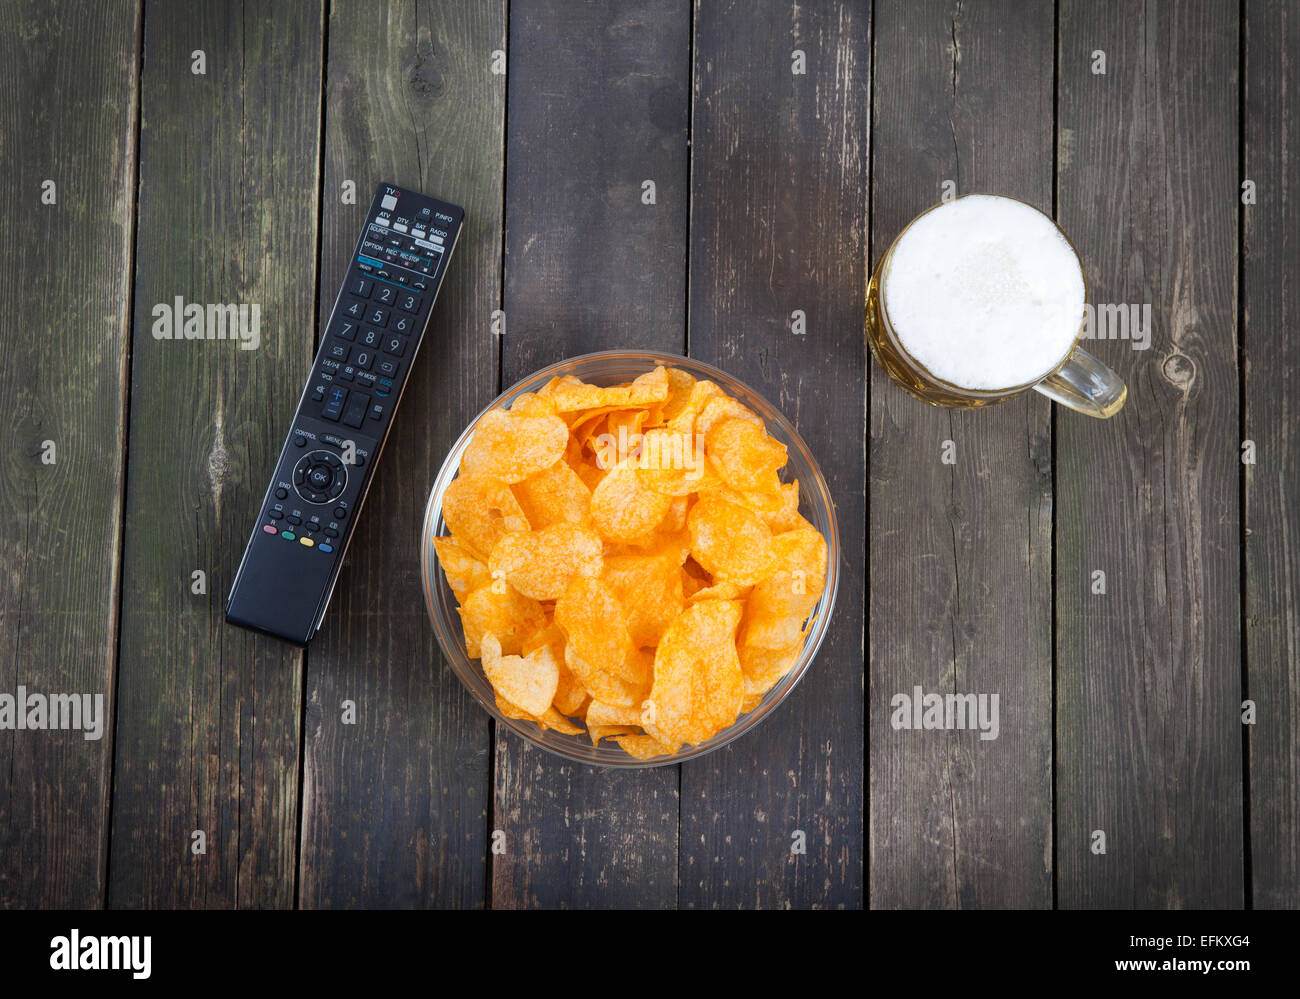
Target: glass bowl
point(608, 368)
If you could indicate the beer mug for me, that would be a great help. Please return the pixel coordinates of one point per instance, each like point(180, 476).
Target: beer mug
point(982, 298)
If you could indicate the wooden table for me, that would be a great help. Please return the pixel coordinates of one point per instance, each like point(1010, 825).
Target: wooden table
point(786, 145)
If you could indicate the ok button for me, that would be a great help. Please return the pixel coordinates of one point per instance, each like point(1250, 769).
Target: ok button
point(320, 476)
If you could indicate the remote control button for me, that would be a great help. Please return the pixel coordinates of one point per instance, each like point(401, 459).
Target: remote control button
point(338, 350)
point(318, 394)
point(386, 295)
point(410, 303)
point(281, 492)
point(376, 412)
point(378, 317)
point(270, 529)
point(334, 403)
point(312, 527)
point(355, 413)
point(320, 476)
point(364, 359)
point(399, 227)
point(418, 233)
point(346, 331)
point(389, 202)
point(331, 532)
point(395, 346)
point(347, 373)
point(361, 286)
point(307, 541)
point(274, 514)
point(372, 338)
point(339, 513)
point(300, 474)
point(404, 324)
point(387, 368)
point(324, 548)
point(288, 535)
point(355, 308)
point(300, 442)
point(295, 519)
point(366, 380)
point(358, 459)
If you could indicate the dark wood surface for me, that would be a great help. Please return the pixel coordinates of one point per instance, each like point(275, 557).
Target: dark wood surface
point(775, 191)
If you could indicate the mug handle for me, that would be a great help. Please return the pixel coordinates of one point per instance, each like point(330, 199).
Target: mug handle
point(1085, 384)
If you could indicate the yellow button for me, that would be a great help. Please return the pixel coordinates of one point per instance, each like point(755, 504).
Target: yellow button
point(306, 541)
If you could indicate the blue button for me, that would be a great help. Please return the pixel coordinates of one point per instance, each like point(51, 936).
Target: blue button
point(325, 548)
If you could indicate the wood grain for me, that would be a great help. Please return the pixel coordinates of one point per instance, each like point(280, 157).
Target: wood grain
point(598, 104)
point(71, 84)
point(960, 554)
point(1271, 311)
point(778, 224)
point(1148, 674)
point(208, 714)
point(395, 806)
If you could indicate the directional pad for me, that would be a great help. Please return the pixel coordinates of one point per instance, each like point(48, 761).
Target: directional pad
point(319, 477)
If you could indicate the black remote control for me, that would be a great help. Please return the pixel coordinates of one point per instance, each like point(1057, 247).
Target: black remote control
point(367, 348)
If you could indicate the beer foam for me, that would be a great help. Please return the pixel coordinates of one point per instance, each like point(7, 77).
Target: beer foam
point(985, 293)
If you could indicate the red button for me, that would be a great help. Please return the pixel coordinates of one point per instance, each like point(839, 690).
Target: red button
point(270, 530)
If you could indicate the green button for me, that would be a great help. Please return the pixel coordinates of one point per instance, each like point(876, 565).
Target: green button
point(287, 535)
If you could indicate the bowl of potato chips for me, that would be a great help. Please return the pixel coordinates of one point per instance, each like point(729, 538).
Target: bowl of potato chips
point(630, 558)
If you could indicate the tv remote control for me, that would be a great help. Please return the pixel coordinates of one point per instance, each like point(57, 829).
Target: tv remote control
point(367, 348)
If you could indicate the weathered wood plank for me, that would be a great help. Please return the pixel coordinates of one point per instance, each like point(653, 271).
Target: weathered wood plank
point(598, 104)
point(395, 806)
point(208, 714)
point(71, 86)
point(960, 553)
point(778, 224)
point(1271, 260)
point(1149, 673)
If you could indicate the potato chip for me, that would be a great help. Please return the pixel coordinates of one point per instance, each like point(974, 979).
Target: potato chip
point(548, 719)
point(744, 455)
point(598, 732)
point(600, 713)
point(527, 682)
point(698, 683)
point(764, 668)
point(672, 463)
point(539, 563)
point(729, 541)
point(463, 569)
point(649, 388)
point(531, 404)
point(680, 384)
point(479, 511)
point(555, 495)
point(643, 747)
point(650, 590)
point(502, 610)
point(599, 649)
point(779, 604)
point(622, 509)
point(512, 447)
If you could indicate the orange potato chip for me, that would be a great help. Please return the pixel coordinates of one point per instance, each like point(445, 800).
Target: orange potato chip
point(600, 713)
point(729, 541)
point(622, 509)
point(539, 563)
point(502, 610)
point(680, 384)
point(650, 590)
point(512, 447)
point(599, 649)
point(779, 604)
point(479, 511)
point(719, 407)
point(548, 719)
point(672, 463)
point(744, 455)
point(555, 495)
point(462, 568)
point(764, 668)
point(532, 404)
point(598, 732)
point(527, 682)
point(569, 394)
point(643, 747)
point(698, 683)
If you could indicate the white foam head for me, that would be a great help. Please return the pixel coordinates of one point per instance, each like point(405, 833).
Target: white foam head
point(985, 292)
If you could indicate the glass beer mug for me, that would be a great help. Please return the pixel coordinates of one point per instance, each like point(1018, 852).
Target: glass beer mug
point(982, 298)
